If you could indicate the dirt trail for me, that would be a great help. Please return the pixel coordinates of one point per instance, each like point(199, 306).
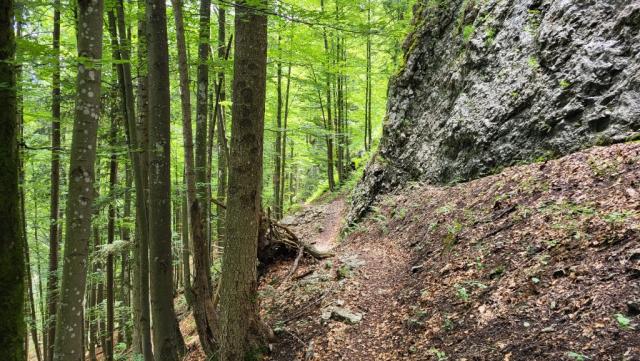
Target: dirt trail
point(362, 278)
point(328, 236)
point(319, 224)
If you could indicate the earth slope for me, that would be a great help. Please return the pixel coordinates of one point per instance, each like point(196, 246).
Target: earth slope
point(538, 262)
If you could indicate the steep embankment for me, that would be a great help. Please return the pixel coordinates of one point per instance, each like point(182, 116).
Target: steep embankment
point(539, 262)
point(488, 83)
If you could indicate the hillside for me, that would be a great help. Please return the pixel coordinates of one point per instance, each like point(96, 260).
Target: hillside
point(538, 262)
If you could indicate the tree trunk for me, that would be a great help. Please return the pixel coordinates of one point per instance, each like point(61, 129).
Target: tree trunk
point(111, 227)
point(31, 306)
point(137, 134)
point(125, 289)
point(12, 327)
point(186, 272)
point(201, 288)
point(329, 120)
point(201, 154)
point(239, 308)
point(284, 138)
point(52, 280)
point(277, 172)
point(367, 117)
point(68, 342)
point(165, 335)
point(223, 163)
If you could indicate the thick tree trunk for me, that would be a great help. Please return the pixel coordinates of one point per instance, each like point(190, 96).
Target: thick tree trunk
point(52, 280)
point(165, 333)
point(68, 342)
point(12, 327)
point(238, 302)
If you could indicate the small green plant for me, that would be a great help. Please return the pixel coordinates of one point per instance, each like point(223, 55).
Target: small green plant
point(440, 355)
point(617, 218)
point(343, 272)
point(623, 322)
point(533, 62)
point(447, 324)
point(446, 209)
point(453, 230)
point(564, 83)
point(467, 32)
point(577, 356)
point(400, 213)
point(462, 293)
point(490, 34)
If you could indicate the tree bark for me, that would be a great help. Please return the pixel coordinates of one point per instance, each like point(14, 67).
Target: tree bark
point(284, 138)
point(137, 136)
point(124, 333)
point(12, 327)
point(238, 302)
point(329, 120)
point(223, 163)
point(52, 280)
point(165, 334)
point(111, 227)
point(68, 343)
point(201, 155)
point(278, 141)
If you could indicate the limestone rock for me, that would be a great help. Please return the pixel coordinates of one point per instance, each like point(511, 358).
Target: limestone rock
point(487, 84)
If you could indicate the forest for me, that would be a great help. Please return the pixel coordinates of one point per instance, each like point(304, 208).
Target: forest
point(319, 180)
point(147, 135)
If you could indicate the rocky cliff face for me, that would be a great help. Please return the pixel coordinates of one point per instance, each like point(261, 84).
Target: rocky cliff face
point(489, 83)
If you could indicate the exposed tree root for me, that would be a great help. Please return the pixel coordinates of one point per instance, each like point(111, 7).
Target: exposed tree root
point(274, 235)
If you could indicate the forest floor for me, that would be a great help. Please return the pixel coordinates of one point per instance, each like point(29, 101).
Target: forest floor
point(538, 262)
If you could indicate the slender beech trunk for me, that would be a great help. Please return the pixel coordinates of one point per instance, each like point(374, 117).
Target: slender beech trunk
point(223, 163)
point(283, 155)
point(367, 110)
point(124, 333)
point(137, 140)
point(201, 289)
point(31, 305)
point(186, 272)
point(329, 121)
point(202, 83)
point(52, 280)
point(277, 172)
point(69, 319)
point(238, 302)
point(187, 137)
point(111, 228)
point(165, 333)
point(12, 327)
